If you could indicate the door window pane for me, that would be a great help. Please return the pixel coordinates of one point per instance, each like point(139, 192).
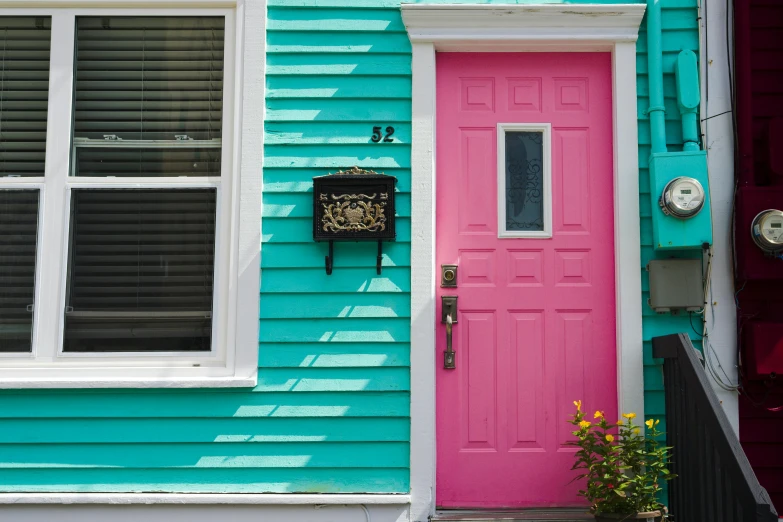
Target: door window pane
point(24, 93)
point(524, 181)
point(149, 96)
point(18, 230)
point(140, 271)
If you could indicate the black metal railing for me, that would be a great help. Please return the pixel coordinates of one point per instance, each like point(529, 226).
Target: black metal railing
point(714, 481)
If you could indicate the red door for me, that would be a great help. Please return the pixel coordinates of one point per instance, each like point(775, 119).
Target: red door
point(525, 210)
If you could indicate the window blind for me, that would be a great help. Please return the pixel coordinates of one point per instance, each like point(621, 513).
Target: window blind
point(148, 96)
point(140, 270)
point(18, 230)
point(24, 92)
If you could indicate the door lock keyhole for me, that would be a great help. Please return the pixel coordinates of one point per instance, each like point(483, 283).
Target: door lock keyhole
point(448, 276)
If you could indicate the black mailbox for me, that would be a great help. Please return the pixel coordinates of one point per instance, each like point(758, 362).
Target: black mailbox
point(353, 205)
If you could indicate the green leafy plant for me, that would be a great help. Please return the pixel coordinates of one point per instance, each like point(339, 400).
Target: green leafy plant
point(622, 467)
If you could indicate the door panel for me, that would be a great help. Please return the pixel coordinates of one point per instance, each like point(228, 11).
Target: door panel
point(535, 326)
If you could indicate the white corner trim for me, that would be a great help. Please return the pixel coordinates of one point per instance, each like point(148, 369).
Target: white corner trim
point(443, 23)
point(249, 158)
point(516, 28)
point(423, 283)
point(200, 498)
point(627, 234)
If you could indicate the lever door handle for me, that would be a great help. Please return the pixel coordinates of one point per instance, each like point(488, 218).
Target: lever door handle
point(448, 317)
point(448, 355)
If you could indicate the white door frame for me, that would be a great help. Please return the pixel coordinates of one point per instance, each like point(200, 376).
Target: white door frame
point(517, 28)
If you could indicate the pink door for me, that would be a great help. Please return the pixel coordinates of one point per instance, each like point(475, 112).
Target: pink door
point(525, 210)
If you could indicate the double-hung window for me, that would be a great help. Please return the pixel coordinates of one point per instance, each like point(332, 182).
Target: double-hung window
point(119, 205)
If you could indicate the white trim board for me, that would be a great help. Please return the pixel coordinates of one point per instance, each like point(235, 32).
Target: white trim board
point(201, 498)
point(517, 28)
point(542, 24)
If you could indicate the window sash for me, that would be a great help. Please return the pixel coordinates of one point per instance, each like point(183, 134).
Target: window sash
point(121, 183)
point(547, 197)
point(25, 184)
point(55, 187)
point(25, 43)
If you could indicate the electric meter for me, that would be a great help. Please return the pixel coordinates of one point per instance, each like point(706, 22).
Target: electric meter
point(767, 230)
point(682, 198)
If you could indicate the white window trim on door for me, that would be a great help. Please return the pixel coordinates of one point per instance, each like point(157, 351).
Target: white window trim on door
point(517, 28)
point(546, 199)
point(233, 361)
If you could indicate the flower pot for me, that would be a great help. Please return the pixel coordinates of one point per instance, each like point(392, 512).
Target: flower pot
point(650, 516)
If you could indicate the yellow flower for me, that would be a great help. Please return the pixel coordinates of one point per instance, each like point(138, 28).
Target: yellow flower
point(609, 438)
point(620, 422)
point(578, 405)
point(636, 431)
point(584, 424)
point(598, 415)
point(629, 415)
point(650, 423)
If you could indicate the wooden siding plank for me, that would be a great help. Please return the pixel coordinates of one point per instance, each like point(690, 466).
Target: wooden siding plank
point(354, 20)
point(346, 63)
point(207, 404)
point(352, 255)
point(339, 109)
point(335, 330)
point(334, 355)
point(321, 306)
point(331, 133)
point(344, 282)
point(210, 430)
point(198, 455)
point(323, 41)
point(335, 157)
point(302, 380)
point(301, 179)
point(218, 480)
point(300, 230)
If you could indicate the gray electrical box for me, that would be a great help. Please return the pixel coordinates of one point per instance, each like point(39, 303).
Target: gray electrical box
point(675, 284)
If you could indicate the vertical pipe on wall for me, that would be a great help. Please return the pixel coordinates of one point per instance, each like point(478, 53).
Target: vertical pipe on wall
point(655, 77)
point(686, 72)
point(690, 140)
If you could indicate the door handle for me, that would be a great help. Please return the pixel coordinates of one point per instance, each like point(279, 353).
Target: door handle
point(448, 317)
point(448, 355)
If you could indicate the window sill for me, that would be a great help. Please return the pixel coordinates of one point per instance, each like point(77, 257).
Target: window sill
point(89, 383)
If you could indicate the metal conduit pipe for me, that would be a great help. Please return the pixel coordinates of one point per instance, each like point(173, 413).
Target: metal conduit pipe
point(656, 110)
point(686, 71)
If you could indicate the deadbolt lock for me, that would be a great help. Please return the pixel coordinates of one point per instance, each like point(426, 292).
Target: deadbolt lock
point(448, 276)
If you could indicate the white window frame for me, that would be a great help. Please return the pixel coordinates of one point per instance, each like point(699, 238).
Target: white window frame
point(233, 359)
point(546, 199)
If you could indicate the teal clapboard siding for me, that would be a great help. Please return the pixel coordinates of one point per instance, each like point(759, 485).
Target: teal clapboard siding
point(680, 31)
point(331, 409)
point(335, 70)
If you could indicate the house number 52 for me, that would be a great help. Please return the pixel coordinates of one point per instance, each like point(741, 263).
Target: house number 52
point(377, 137)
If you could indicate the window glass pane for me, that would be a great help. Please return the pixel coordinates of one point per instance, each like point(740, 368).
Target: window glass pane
point(140, 270)
point(524, 181)
point(18, 229)
point(24, 92)
point(148, 96)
